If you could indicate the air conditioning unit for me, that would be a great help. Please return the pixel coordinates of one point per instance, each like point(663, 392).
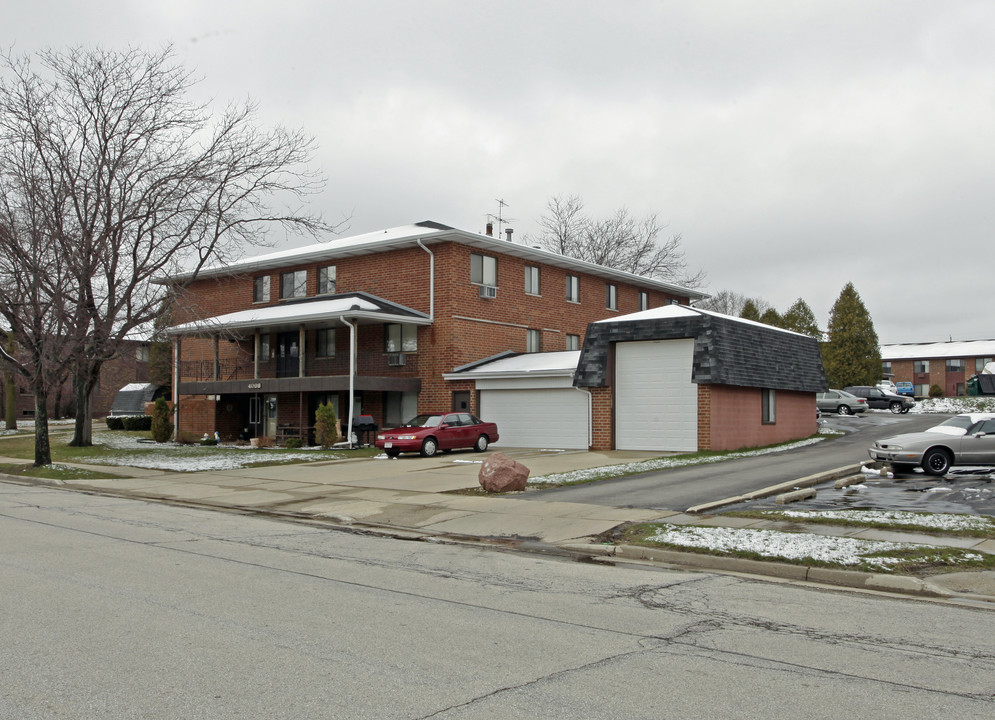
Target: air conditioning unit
point(488, 291)
point(396, 359)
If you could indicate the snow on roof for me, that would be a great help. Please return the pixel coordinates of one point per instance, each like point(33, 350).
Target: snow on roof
point(426, 232)
point(562, 362)
point(297, 313)
point(955, 349)
point(667, 312)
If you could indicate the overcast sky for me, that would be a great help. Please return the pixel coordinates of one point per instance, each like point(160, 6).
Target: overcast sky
point(795, 146)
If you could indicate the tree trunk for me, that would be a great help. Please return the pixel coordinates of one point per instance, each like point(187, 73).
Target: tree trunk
point(10, 391)
point(43, 449)
point(84, 381)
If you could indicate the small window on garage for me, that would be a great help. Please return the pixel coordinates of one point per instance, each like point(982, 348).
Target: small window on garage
point(769, 400)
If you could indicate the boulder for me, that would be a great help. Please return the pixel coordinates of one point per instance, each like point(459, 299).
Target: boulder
point(500, 473)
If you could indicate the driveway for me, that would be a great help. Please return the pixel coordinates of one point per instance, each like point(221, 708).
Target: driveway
point(683, 488)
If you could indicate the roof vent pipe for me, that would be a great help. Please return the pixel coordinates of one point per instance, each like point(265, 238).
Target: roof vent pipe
point(490, 229)
point(508, 232)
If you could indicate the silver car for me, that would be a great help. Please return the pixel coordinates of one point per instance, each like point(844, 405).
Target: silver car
point(840, 401)
point(967, 439)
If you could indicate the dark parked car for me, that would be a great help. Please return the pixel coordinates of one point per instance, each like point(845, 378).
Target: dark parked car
point(430, 433)
point(840, 401)
point(878, 398)
point(967, 439)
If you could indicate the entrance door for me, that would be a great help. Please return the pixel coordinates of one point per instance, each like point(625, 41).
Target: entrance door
point(269, 416)
point(288, 360)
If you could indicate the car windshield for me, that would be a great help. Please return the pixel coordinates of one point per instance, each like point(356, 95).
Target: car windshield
point(961, 422)
point(424, 421)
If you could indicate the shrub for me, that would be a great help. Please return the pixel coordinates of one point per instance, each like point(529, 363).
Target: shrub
point(293, 443)
point(326, 426)
point(162, 427)
point(935, 391)
point(137, 422)
point(115, 422)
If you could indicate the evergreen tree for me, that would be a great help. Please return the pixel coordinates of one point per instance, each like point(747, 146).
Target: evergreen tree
point(771, 317)
point(326, 426)
point(801, 319)
point(852, 355)
point(162, 426)
point(750, 311)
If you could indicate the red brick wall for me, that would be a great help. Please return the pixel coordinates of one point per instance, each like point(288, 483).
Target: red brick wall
point(735, 418)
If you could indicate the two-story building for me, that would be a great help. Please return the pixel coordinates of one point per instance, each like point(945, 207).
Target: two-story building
point(381, 318)
point(948, 365)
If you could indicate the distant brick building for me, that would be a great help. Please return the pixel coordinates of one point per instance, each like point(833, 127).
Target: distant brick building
point(947, 365)
point(131, 364)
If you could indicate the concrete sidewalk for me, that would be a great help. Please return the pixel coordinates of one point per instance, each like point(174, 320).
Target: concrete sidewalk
point(414, 497)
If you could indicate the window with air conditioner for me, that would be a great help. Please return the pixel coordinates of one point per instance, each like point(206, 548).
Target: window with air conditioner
point(400, 337)
point(483, 269)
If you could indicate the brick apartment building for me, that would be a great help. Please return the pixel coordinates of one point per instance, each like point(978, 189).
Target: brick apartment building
point(130, 365)
point(391, 317)
point(949, 365)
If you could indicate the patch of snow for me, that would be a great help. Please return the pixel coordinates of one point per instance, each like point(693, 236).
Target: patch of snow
point(605, 471)
point(933, 521)
point(791, 546)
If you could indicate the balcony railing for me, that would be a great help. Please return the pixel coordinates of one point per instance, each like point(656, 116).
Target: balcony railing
point(368, 363)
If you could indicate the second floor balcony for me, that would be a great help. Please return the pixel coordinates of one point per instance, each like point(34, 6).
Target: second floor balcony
point(368, 363)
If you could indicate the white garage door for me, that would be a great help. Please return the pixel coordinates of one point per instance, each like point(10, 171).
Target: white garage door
point(540, 418)
point(656, 404)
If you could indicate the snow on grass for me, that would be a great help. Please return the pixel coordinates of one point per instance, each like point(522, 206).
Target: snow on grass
point(954, 405)
point(663, 463)
point(796, 546)
point(191, 458)
point(930, 521)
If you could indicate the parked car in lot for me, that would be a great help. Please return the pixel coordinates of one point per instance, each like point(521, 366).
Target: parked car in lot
point(888, 386)
point(430, 433)
point(967, 439)
point(840, 401)
point(905, 388)
point(882, 400)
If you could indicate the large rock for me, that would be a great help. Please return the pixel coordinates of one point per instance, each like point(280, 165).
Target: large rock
point(500, 473)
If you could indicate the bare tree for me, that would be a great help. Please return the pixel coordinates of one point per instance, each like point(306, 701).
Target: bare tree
point(132, 182)
point(726, 302)
point(618, 241)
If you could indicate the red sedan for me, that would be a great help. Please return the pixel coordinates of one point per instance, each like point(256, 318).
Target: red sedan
point(428, 434)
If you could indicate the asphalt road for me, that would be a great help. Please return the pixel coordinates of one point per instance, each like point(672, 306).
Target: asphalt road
point(116, 608)
point(682, 488)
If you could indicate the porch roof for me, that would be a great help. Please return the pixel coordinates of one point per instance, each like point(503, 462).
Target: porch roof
point(362, 308)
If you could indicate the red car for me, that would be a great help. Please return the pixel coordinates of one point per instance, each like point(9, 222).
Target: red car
point(428, 434)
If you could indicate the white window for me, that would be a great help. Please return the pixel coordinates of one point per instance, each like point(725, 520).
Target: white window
point(768, 398)
point(483, 269)
point(611, 296)
point(955, 365)
point(260, 289)
point(533, 341)
point(326, 280)
point(644, 300)
point(920, 366)
point(293, 284)
point(531, 280)
point(573, 342)
point(573, 288)
point(142, 353)
point(325, 342)
point(401, 338)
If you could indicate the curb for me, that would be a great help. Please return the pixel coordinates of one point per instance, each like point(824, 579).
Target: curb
point(901, 584)
point(803, 482)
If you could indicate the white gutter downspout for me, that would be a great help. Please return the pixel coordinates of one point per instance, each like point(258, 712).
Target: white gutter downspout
point(431, 281)
point(176, 387)
point(352, 374)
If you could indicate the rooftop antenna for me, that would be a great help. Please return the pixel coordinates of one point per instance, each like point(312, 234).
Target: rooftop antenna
point(499, 219)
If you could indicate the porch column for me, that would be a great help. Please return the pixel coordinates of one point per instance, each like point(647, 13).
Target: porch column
point(177, 339)
point(217, 361)
point(255, 356)
point(300, 344)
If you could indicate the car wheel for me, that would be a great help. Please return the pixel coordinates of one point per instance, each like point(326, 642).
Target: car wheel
point(905, 410)
point(393, 453)
point(844, 410)
point(481, 444)
point(895, 407)
point(936, 462)
point(429, 448)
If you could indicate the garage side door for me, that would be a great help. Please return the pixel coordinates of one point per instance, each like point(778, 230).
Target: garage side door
point(656, 404)
point(541, 418)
